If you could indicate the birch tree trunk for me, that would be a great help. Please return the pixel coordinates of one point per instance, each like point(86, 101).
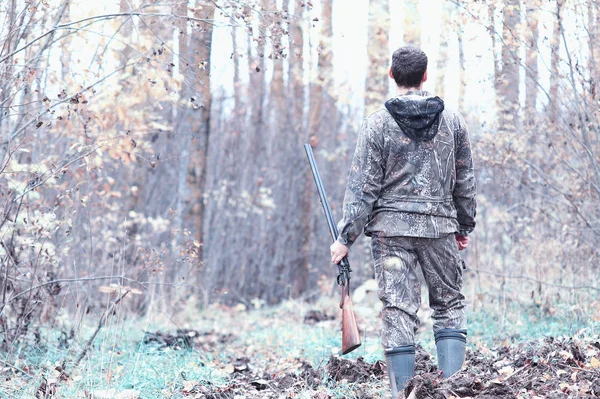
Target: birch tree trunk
point(200, 44)
point(379, 60)
point(442, 60)
point(462, 81)
point(300, 187)
point(554, 63)
point(412, 23)
point(507, 83)
point(531, 63)
point(593, 35)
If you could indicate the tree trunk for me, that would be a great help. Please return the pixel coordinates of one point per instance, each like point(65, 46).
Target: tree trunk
point(594, 57)
point(379, 60)
point(442, 60)
point(462, 81)
point(321, 133)
point(200, 46)
point(412, 23)
point(296, 69)
point(554, 61)
point(6, 80)
point(507, 83)
point(531, 63)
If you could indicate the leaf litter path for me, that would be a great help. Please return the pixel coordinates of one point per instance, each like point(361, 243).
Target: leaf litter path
point(292, 351)
point(548, 368)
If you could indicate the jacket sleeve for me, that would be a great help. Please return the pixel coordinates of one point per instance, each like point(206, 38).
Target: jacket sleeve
point(465, 186)
point(364, 183)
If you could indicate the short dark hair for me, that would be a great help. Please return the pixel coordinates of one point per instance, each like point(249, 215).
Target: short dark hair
point(409, 64)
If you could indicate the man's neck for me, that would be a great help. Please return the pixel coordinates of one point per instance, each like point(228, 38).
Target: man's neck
point(401, 90)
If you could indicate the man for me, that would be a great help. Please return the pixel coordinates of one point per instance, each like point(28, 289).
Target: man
point(411, 188)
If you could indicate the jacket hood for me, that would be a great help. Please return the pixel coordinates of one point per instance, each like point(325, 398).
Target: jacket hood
point(417, 113)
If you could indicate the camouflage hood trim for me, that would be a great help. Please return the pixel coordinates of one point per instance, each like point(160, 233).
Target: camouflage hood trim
point(418, 117)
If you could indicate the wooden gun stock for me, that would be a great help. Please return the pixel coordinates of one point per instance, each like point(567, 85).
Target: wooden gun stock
point(350, 336)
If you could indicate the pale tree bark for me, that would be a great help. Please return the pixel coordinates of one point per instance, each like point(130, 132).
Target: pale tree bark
point(507, 82)
point(237, 96)
point(379, 62)
point(6, 71)
point(442, 60)
point(182, 121)
point(554, 63)
point(462, 83)
point(531, 62)
point(301, 187)
point(593, 36)
point(323, 84)
point(321, 132)
point(257, 82)
point(277, 55)
point(296, 67)
point(412, 23)
point(200, 46)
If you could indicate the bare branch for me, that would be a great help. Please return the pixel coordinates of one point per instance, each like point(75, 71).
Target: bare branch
point(98, 18)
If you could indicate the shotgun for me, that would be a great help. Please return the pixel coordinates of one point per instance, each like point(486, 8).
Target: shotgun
point(350, 337)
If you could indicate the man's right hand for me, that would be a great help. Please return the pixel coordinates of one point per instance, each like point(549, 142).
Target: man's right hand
point(338, 252)
point(463, 242)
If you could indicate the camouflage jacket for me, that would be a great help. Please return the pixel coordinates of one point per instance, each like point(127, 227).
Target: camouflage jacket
point(412, 173)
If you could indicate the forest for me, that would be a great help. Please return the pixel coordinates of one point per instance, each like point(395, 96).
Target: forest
point(161, 234)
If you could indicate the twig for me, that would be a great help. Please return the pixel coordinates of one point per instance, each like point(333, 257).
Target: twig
point(67, 280)
point(67, 99)
point(16, 368)
point(515, 372)
point(51, 172)
point(107, 312)
point(521, 277)
point(101, 17)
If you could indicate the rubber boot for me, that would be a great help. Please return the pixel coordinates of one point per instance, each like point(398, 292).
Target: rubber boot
point(450, 345)
point(400, 363)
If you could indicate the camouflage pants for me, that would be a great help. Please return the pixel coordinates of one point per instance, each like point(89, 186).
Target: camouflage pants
point(396, 260)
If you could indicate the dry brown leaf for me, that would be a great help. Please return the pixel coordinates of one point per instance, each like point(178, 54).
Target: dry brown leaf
point(113, 394)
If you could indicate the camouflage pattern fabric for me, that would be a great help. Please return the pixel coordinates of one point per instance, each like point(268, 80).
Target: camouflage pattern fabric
point(396, 262)
point(412, 173)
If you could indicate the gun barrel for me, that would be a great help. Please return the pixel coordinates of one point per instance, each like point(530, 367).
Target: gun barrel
point(322, 195)
point(350, 335)
point(344, 265)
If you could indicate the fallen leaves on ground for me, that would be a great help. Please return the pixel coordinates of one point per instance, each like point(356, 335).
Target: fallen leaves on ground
point(553, 368)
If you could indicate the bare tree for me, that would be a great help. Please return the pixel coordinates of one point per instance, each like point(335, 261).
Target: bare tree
point(378, 41)
point(412, 23)
point(554, 63)
point(507, 81)
point(531, 61)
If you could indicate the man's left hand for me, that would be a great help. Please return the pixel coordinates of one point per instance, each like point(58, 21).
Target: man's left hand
point(462, 241)
point(338, 252)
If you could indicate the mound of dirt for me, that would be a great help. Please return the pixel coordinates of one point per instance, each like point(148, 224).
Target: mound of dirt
point(553, 368)
point(354, 371)
point(313, 317)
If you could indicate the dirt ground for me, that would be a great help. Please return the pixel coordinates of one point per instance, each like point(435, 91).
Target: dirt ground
point(552, 368)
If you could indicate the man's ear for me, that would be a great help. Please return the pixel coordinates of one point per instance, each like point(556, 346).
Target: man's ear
point(424, 77)
point(390, 74)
